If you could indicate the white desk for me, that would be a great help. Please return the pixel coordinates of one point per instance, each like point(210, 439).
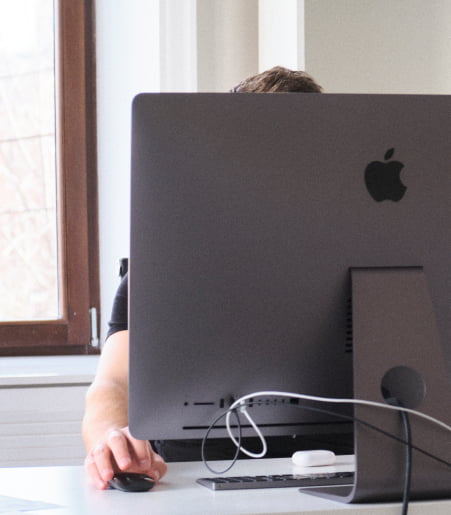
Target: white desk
point(178, 494)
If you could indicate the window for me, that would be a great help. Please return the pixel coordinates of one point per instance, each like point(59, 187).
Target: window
point(48, 212)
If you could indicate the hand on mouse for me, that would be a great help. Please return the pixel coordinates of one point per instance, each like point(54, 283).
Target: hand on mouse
point(120, 452)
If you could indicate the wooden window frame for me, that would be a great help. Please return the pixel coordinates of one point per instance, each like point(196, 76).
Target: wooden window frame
point(77, 196)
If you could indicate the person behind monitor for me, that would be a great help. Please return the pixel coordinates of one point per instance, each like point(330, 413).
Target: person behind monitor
point(109, 445)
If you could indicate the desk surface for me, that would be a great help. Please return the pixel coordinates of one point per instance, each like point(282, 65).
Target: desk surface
point(68, 491)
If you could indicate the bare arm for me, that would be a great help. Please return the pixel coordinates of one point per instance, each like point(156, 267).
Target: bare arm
point(110, 447)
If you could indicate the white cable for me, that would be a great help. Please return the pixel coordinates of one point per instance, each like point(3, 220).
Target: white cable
point(256, 429)
point(243, 409)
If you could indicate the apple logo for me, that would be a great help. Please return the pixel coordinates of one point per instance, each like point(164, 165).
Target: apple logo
point(383, 179)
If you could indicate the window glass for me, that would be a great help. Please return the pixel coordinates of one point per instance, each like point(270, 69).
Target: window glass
point(28, 207)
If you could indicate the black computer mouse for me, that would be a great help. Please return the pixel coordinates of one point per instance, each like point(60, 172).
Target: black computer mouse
point(131, 482)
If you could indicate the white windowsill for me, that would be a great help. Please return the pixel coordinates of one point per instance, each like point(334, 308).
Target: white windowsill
point(47, 370)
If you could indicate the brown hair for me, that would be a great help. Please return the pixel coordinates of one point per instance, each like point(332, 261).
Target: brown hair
point(278, 79)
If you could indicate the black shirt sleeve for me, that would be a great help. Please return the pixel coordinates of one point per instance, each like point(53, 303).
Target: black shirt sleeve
point(119, 313)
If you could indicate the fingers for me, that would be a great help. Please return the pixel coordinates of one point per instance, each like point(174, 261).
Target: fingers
point(118, 443)
point(121, 452)
point(143, 457)
point(99, 467)
point(107, 457)
point(158, 466)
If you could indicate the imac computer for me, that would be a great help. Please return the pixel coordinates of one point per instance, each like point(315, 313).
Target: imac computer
point(299, 243)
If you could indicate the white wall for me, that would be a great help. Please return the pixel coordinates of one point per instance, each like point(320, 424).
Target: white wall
point(178, 45)
point(379, 46)
point(127, 63)
point(227, 43)
point(281, 26)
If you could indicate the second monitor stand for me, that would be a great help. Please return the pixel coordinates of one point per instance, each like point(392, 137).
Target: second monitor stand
point(396, 354)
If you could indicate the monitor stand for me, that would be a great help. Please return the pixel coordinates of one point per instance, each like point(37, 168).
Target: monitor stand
point(396, 350)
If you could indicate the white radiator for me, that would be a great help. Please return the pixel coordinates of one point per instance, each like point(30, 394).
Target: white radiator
point(40, 422)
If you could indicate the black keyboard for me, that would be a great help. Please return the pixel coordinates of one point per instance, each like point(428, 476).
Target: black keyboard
point(277, 481)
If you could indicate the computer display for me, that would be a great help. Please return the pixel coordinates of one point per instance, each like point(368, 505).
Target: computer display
point(249, 214)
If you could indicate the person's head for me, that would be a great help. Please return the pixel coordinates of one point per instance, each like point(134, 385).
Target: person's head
point(278, 79)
